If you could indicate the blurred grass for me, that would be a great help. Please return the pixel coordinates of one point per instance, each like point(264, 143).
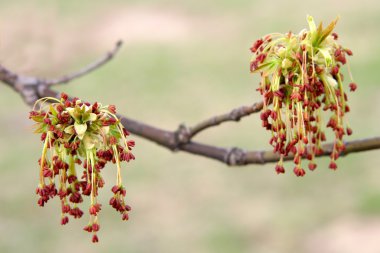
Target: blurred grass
point(182, 203)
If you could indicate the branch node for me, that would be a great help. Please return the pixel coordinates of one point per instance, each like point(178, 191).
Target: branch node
point(182, 135)
point(260, 157)
point(235, 156)
point(29, 93)
point(236, 114)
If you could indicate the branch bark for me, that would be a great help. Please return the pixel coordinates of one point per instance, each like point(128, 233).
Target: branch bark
point(33, 88)
point(184, 133)
point(87, 69)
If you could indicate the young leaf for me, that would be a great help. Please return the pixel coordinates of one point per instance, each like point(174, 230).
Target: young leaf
point(80, 129)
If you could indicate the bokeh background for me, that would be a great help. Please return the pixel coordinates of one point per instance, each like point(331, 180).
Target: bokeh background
point(184, 61)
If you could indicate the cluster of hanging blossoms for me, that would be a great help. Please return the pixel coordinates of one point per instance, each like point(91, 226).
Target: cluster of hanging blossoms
point(302, 82)
point(76, 133)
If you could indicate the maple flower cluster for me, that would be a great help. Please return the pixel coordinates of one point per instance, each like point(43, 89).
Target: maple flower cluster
point(302, 82)
point(79, 134)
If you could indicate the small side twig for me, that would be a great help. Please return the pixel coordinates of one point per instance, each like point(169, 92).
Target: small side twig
point(89, 68)
point(234, 115)
point(31, 88)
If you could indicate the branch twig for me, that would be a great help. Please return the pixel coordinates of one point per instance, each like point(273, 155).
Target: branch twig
point(32, 88)
point(89, 68)
point(234, 115)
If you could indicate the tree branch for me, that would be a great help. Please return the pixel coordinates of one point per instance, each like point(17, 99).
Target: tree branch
point(185, 134)
point(87, 69)
point(33, 88)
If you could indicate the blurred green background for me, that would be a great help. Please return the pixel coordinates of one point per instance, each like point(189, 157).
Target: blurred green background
point(184, 61)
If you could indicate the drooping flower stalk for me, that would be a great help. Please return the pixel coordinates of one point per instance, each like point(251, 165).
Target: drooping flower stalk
point(302, 82)
point(77, 133)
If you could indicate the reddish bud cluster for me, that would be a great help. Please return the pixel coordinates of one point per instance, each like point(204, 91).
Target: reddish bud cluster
point(78, 133)
point(301, 81)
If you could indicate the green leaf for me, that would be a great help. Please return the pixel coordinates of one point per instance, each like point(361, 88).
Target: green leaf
point(326, 32)
point(54, 121)
point(53, 111)
point(262, 66)
point(312, 26)
point(326, 55)
point(88, 117)
point(39, 118)
point(40, 128)
point(88, 142)
point(81, 150)
point(69, 129)
point(80, 129)
point(92, 117)
point(286, 63)
point(106, 129)
point(94, 127)
point(73, 113)
point(330, 80)
point(114, 131)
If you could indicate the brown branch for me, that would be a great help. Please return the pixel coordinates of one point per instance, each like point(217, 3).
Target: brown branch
point(87, 69)
point(351, 147)
point(32, 88)
point(184, 134)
